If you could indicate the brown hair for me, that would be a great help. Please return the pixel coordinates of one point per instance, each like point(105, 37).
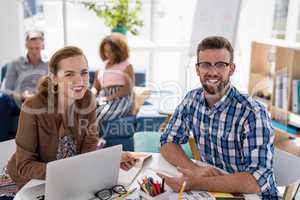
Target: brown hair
point(215, 42)
point(45, 85)
point(118, 45)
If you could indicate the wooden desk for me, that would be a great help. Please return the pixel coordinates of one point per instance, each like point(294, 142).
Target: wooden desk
point(156, 163)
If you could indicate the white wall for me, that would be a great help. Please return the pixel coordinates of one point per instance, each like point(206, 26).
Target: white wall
point(172, 27)
point(11, 34)
point(256, 20)
point(83, 28)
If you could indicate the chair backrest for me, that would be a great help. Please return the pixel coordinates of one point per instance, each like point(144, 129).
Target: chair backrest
point(286, 168)
point(3, 72)
point(140, 94)
point(140, 79)
point(118, 128)
point(7, 149)
point(92, 77)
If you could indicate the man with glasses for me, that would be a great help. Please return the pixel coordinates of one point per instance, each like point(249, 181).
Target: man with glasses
point(232, 131)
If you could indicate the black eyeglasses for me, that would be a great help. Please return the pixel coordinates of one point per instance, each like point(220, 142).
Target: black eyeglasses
point(107, 193)
point(221, 65)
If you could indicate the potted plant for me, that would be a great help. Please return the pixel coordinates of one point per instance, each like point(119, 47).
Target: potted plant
point(118, 14)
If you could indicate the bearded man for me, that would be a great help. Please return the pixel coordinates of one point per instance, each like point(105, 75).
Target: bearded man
point(232, 131)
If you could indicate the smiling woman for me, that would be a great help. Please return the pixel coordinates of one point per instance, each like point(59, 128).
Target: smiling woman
point(59, 121)
point(72, 78)
point(50, 122)
point(68, 78)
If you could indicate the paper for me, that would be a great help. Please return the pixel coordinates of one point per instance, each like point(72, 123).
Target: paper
point(201, 195)
point(127, 177)
point(31, 190)
point(193, 195)
point(160, 165)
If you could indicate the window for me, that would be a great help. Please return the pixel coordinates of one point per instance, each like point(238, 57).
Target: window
point(157, 51)
point(280, 19)
point(298, 29)
point(32, 7)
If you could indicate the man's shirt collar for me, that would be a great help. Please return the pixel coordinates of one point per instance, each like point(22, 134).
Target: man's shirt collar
point(42, 59)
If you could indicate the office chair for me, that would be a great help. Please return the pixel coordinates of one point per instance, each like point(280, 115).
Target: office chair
point(3, 72)
point(286, 171)
point(7, 149)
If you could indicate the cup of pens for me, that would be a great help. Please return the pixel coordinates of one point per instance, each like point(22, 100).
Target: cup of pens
point(151, 189)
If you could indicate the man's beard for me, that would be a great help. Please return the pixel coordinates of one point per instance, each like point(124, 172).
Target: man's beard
point(216, 90)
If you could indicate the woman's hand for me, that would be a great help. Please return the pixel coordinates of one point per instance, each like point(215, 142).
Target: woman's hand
point(127, 161)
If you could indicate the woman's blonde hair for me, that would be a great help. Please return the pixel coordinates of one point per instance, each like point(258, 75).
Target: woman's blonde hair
point(46, 86)
point(118, 45)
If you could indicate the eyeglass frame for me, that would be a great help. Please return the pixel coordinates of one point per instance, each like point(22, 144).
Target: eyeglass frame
point(111, 191)
point(211, 65)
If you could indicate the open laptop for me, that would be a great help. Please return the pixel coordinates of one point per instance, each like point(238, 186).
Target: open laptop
point(79, 177)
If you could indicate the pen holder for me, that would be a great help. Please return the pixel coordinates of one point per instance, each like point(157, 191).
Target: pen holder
point(162, 196)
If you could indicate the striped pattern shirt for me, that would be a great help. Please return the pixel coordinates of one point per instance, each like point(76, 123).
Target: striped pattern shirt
point(114, 109)
point(235, 134)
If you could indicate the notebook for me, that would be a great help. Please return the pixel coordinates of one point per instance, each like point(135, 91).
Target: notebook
point(192, 195)
point(126, 178)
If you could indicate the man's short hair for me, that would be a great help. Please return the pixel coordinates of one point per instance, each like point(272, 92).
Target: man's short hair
point(34, 35)
point(215, 42)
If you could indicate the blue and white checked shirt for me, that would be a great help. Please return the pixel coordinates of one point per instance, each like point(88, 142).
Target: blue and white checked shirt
point(234, 135)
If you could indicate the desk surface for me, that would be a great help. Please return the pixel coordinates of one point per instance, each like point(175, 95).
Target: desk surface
point(156, 163)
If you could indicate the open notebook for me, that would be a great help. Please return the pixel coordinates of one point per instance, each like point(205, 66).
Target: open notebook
point(192, 195)
point(127, 177)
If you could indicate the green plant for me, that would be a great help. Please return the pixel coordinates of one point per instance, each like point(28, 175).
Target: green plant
point(118, 13)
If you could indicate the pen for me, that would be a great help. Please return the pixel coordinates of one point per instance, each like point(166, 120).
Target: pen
point(143, 187)
point(181, 190)
point(149, 188)
point(154, 189)
point(157, 188)
point(163, 185)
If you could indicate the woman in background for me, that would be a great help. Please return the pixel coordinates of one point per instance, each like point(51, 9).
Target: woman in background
point(59, 121)
point(114, 83)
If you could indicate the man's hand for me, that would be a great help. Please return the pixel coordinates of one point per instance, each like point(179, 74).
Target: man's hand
point(127, 161)
point(190, 177)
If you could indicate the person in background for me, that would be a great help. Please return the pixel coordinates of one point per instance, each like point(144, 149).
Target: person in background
point(59, 121)
point(114, 83)
point(21, 80)
point(232, 131)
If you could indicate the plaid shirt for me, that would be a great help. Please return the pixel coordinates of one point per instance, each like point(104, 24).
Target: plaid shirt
point(234, 135)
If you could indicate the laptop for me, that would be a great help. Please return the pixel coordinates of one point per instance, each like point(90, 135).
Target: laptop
point(79, 177)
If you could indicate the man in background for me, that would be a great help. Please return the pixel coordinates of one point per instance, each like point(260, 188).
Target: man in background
point(20, 81)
